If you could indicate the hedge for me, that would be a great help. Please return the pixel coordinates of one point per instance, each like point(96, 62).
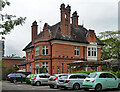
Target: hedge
point(117, 73)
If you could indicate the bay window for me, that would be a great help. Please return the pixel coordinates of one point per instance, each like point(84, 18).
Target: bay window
point(91, 51)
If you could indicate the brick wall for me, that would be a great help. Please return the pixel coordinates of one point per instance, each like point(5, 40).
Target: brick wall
point(10, 62)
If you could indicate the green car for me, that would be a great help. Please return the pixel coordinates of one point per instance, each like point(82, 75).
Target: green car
point(101, 80)
point(28, 78)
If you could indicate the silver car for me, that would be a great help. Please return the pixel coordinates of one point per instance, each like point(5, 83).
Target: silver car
point(39, 79)
point(74, 81)
point(53, 80)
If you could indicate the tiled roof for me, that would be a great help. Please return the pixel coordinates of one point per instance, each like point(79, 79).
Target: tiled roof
point(28, 46)
point(78, 34)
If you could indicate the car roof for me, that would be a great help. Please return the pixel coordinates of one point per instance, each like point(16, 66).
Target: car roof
point(60, 74)
point(101, 72)
point(78, 74)
point(42, 74)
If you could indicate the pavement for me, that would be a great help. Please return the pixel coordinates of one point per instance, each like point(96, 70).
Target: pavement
point(23, 87)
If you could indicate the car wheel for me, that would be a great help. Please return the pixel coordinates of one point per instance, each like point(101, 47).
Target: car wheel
point(119, 86)
point(14, 81)
point(98, 87)
point(76, 86)
point(51, 86)
point(38, 83)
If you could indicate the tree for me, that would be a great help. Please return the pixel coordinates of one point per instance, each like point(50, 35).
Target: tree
point(111, 49)
point(8, 22)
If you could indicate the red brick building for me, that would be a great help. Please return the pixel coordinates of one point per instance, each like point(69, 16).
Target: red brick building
point(12, 61)
point(60, 44)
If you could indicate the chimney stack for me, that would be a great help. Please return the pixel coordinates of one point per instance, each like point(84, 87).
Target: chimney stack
point(75, 19)
point(34, 30)
point(65, 19)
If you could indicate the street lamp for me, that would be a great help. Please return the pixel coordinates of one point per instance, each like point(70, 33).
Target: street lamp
point(62, 64)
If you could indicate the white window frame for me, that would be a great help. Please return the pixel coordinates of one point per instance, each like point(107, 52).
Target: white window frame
point(45, 65)
point(45, 48)
point(37, 49)
point(28, 55)
point(77, 52)
point(92, 50)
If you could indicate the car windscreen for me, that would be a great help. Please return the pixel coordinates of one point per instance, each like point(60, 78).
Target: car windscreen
point(92, 75)
point(52, 77)
point(34, 76)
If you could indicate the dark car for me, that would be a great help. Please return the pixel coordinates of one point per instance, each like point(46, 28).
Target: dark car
point(16, 77)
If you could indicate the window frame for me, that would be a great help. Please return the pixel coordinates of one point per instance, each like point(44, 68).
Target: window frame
point(91, 51)
point(45, 65)
point(45, 48)
point(77, 51)
point(37, 49)
point(28, 55)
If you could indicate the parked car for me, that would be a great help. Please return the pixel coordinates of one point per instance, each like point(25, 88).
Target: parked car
point(16, 77)
point(39, 79)
point(28, 78)
point(53, 80)
point(101, 80)
point(72, 81)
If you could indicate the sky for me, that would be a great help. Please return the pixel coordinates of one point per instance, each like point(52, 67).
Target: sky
point(99, 15)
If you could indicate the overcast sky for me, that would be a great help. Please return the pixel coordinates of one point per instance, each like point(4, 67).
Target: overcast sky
point(100, 15)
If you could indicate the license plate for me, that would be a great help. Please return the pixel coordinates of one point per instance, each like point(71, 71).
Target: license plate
point(87, 80)
point(60, 82)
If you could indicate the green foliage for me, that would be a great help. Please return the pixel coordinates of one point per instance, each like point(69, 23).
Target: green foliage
point(112, 45)
point(104, 68)
point(86, 72)
point(115, 68)
point(117, 74)
point(42, 70)
point(24, 56)
point(8, 22)
point(8, 70)
point(2, 64)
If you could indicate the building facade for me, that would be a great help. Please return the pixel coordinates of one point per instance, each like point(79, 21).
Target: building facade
point(1, 48)
point(12, 61)
point(60, 44)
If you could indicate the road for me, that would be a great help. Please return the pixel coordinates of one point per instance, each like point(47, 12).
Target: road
point(18, 87)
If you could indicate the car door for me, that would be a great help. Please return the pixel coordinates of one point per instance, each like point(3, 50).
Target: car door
point(112, 80)
point(103, 80)
point(43, 79)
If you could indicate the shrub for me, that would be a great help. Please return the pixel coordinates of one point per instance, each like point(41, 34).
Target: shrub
point(117, 74)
